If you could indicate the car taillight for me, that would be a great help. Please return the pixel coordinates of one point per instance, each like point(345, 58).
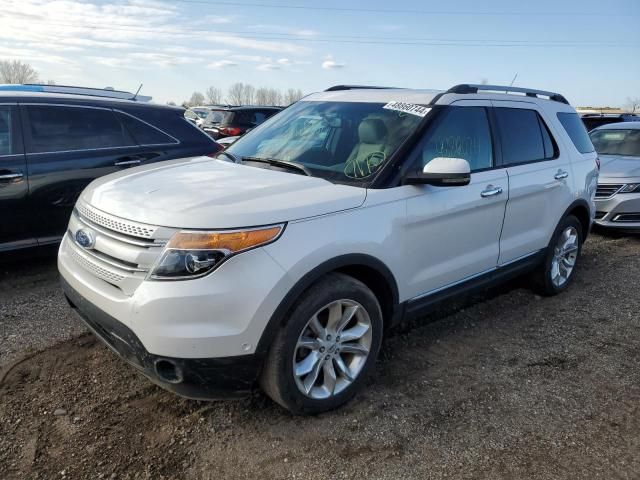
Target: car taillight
point(230, 131)
point(598, 163)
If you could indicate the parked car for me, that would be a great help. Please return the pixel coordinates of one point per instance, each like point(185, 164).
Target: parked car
point(55, 140)
point(287, 265)
point(197, 115)
point(236, 121)
point(618, 194)
point(226, 142)
point(595, 120)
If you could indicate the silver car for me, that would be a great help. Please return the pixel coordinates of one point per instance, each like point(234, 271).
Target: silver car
point(618, 193)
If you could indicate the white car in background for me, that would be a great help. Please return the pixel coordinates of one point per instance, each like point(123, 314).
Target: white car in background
point(286, 266)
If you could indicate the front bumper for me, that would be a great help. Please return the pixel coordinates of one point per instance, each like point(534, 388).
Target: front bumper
point(195, 378)
point(621, 211)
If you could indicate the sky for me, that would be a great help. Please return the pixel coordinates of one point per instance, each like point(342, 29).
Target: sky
point(585, 49)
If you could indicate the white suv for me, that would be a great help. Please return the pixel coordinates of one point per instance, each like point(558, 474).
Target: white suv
point(285, 260)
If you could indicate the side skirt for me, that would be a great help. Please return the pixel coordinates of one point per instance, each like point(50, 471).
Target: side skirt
point(423, 305)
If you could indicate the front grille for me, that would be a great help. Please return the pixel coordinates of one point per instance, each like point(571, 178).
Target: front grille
point(627, 217)
point(606, 190)
point(116, 224)
point(123, 251)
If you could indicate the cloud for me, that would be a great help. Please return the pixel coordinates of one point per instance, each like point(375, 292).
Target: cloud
point(330, 64)
point(268, 66)
point(252, 58)
point(222, 64)
point(285, 61)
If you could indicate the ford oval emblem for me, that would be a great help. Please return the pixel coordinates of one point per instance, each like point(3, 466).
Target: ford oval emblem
point(85, 239)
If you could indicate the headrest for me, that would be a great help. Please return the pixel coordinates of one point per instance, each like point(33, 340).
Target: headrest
point(372, 130)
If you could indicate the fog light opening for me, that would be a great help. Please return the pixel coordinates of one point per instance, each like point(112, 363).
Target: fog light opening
point(168, 371)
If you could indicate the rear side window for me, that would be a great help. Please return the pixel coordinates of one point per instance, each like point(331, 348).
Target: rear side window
point(6, 138)
point(524, 136)
point(57, 129)
point(144, 133)
point(576, 131)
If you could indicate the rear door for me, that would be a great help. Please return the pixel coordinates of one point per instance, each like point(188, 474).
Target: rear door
point(539, 178)
point(67, 147)
point(15, 217)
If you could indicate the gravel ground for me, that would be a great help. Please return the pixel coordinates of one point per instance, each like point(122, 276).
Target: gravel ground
point(508, 385)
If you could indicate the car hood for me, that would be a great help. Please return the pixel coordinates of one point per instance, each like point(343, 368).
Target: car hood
point(205, 193)
point(619, 166)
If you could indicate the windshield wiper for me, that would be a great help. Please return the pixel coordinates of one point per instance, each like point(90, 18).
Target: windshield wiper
point(280, 163)
point(229, 155)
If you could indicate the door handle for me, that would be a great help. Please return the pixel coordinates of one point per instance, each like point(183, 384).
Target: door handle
point(126, 163)
point(491, 191)
point(561, 174)
point(10, 176)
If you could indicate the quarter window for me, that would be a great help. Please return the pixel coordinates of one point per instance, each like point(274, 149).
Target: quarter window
point(524, 136)
point(5, 131)
point(463, 132)
point(576, 131)
point(56, 129)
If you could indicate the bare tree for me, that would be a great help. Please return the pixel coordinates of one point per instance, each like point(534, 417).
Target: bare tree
point(214, 95)
point(248, 94)
point(196, 99)
point(262, 96)
point(235, 94)
point(633, 104)
point(292, 95)
point(15, 71)
point(274, 97)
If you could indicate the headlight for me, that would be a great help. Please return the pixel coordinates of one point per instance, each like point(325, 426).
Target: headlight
point(192, 254)
point(630, 188)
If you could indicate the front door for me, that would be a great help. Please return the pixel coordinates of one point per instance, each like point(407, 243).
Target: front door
point(68, 147)
point(453, 233)
point(16, 219)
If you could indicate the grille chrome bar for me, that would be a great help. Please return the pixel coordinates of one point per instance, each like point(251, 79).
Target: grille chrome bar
point(126, 227)
point(608, 190)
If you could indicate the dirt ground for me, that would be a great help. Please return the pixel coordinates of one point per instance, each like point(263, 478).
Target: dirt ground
point(510, 386)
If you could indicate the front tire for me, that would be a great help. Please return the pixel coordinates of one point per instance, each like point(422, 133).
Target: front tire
point(326, 348)
point(557, 271)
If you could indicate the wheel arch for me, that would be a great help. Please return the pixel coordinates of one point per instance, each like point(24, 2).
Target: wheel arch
point(581, 210)
point(365, 268)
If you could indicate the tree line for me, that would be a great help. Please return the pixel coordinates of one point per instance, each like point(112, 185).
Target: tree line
point(244, 94)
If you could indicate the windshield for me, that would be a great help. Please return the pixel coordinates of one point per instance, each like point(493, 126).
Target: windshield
point(344, 142)
point(617, 142)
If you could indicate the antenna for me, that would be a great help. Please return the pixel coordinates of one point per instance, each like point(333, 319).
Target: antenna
point(137, 92)
point(514, 79)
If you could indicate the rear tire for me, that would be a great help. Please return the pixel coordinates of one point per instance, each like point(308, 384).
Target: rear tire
point(561, 258)
point(326, 348)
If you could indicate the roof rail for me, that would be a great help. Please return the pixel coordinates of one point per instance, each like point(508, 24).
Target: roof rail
point(337, 88)
point(529, 92)
point(70, 90)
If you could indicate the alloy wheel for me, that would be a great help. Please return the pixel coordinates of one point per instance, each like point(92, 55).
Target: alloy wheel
point(565, 254)
point(332, 349)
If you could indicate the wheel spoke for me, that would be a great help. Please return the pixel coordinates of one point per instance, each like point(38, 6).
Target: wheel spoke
point(568, 262)
point(354, 348)
point(310, 379)
point(309, 343)
point(316, 327)
point(347, 315)
point(555, 269)
point(571, 241)
point(307, 364)
point(329, 377)
point(343, 368)
point(335, 315)
point(354, 333)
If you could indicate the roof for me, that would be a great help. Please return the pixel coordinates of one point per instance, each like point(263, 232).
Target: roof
point(45, 97)
point(374, 95)
point(619, 126)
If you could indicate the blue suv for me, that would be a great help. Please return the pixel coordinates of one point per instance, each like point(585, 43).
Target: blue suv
point(55, 140)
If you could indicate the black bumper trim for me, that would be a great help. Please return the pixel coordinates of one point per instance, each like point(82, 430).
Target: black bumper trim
point(200, 378)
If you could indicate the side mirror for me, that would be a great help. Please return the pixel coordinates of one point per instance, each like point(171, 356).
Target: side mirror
point(441, 172)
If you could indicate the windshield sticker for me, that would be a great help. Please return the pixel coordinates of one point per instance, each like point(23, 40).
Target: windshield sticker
point(412, 108)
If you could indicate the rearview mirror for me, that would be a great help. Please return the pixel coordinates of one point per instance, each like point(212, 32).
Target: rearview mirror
point(441, 172)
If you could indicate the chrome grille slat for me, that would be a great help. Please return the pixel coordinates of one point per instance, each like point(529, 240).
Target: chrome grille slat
point(116, 224)
point(106, 275)
point(607, 190)
point(116, 236)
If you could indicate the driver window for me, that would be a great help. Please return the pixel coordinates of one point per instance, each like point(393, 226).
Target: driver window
point(462, 132)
